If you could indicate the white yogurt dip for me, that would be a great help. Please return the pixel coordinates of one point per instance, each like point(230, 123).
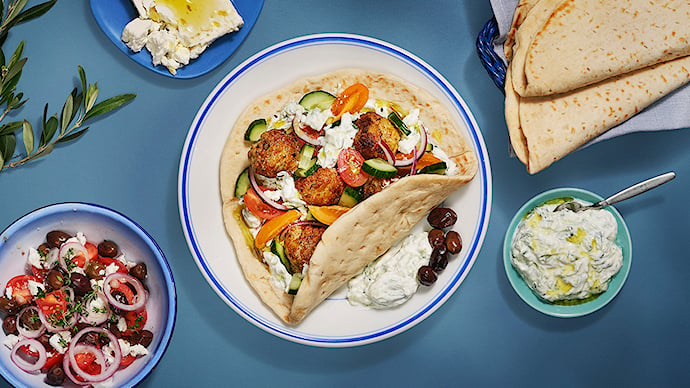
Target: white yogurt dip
point(566, 255)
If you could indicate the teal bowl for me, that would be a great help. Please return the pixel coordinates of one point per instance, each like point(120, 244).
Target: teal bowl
point(572, 310)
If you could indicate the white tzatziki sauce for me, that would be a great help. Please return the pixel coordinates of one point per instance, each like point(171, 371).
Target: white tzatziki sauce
point(565, 255)
point(392, 278)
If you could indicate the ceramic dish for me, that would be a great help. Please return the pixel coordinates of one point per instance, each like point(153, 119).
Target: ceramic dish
point(113, 15)
point(568, 311)
point(97, 223)
point(334, 323)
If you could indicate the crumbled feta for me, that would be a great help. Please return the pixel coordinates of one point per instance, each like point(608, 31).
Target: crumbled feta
point(10, 340)
point(35, 259)
point(316, 118)
point(60, 341)
point(35, 287)
point(132, 350)
point(335, 139)
point(121, 324)
point(8, 293)
point(286, 191)
point(136, 33)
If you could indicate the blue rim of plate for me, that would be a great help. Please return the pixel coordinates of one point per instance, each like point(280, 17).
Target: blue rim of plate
point(571, 311)
point(483, 175)
point(69, 207)
point(113, 15)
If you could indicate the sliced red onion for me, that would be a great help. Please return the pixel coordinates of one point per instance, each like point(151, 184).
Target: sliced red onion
point(96, 318)
point(297, 127)
point(140, 293)
point(106, 371)
point(413, 170)
point(65, 252)
point(26, 332)
point(67, 367)
point(260, 193)
point(390, 157)
point(23, 364)
point(68, 294)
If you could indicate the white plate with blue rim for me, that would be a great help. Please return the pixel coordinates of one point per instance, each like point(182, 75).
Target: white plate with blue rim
point(113, 15)
point(334, 323)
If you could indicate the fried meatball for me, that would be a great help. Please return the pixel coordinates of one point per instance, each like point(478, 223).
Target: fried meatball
point(372, 186)
point(373, 128)
point(274, 152)
point(323, 187)
point(300, 242)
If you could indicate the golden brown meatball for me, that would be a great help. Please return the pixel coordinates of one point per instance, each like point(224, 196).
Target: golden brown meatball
point(274, 152)
point(323, 187)
point(372, 186)
point(300, 242)
point(372, 129)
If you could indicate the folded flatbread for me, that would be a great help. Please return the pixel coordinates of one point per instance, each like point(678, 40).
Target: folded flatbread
point(372, 226)
point(582, 42)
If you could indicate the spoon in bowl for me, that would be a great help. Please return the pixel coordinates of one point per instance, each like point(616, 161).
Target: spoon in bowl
point(630, 192)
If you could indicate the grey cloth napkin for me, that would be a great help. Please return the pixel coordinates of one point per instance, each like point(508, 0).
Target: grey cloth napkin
point(671, 112)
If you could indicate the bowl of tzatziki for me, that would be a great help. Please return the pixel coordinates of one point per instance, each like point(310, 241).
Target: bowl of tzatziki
point(564, 263)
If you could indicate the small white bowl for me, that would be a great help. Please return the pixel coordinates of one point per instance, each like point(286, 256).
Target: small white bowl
point(97, 223)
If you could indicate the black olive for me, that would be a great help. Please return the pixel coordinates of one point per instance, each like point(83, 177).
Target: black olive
point(56, 238)
point(30, 320)
point(55, 375)
point(439, 258)
point(8, 306)
point(436, 237)
point(95, 270)
point(426, 275)
point(9, 324)
point(139, 271)
point(146, 338)
point(442, 217)
point(80, 283)
point(55, 279)
point(108, 249)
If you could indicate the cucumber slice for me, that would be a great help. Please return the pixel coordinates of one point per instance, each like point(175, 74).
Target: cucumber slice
point(317, 99)
point(295, 282)
point(398, 123)
point(305, 156)
point(305, 172)
point(242, 183)
point(436, 168)
point(351, 196)
point(255, 129)
point(429, 147)
point(278, 249)
point(379, 168)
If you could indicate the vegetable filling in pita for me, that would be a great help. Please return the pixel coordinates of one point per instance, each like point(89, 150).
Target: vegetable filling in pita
point(322, 177)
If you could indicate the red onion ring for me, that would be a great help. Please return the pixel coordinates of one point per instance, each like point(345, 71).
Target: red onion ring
point(387, 152)
point(418, 151)
point(297, 127)
point(24, 365)
point(72, 320)
point(413, 170)
point(95, 318)
point(260, 193)
point(68, 372)
point(65, 253)
point(106, 372)
point(26, 332)
point(140, 293)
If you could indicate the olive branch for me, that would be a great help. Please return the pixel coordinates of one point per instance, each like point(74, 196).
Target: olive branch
point(79, 107)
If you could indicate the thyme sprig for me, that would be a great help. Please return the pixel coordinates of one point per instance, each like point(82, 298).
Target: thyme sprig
point(79, 107)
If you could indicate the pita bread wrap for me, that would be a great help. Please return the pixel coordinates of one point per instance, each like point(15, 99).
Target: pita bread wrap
point(368, 229)
point(583, 42)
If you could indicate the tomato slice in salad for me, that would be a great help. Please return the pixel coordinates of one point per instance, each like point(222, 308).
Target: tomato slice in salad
point(40, 273)
point(92, 250)
point(107, 261)
point(53, 358)
point(350, 167)
point(135, 320)
point(53, 305)
point(87, 363)
point(127, 361)
point(20, 288)
point(351, 100)
point(258, 207)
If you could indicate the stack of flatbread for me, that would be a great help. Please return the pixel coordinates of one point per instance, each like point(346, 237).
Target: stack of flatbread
point(577, 68)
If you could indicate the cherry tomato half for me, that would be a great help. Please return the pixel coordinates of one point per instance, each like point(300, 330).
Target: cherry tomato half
point(87, 363)
point(92, 250)
point(351, 100)
point(20, 288)
point(258, 207)
point(350, 167)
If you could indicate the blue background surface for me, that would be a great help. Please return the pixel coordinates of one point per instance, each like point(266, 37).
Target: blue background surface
point(484, 335)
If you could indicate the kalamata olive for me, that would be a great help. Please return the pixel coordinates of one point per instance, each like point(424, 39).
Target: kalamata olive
point(439, 258)
point(436, 237)
point(453, 242)
point(146, 338)
point(55, 375)
point(43, 249)
point(112, 327)
point(134, 337)
point(44, 339)
point(108, 249)
point(55, 279)
point(139, 271)
point(9, 324)
point(30, 320)
point(8, 306)
point(426, 275)
point(95, 270)
point(55, 238)
point(80, 283)
point(120, 297)
point(442, 217)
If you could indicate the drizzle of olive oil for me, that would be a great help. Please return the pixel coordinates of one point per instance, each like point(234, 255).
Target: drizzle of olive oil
point(194, 14)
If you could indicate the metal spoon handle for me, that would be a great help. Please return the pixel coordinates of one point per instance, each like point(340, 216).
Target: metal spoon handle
point(637, 189)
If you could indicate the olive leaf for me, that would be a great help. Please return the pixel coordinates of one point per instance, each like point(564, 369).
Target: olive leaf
point(28, 136)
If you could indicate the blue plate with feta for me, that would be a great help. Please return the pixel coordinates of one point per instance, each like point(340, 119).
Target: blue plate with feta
point(567, 276)
point(335, 322)
point(113, 15)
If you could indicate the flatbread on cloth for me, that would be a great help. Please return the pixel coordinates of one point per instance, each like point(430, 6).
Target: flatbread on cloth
point(370, 228)
point(583, 42)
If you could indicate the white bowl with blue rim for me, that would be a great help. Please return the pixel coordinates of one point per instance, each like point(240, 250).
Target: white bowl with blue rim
point(98, 223)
